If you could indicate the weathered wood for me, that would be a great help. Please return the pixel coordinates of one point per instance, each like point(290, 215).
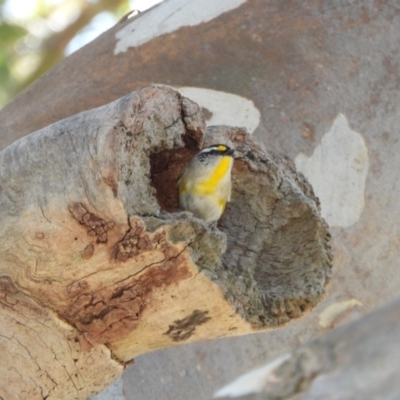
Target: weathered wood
point(42, 356)
point(92, 239)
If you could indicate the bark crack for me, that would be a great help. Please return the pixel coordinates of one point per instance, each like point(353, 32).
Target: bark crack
point(42, 211)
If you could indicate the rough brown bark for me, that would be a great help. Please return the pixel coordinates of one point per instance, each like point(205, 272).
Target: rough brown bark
point(95, 251)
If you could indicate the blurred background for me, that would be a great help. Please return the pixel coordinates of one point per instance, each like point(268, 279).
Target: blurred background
point(37, 34)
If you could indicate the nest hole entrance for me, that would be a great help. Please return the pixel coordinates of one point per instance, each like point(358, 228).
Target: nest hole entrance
point(165, 168)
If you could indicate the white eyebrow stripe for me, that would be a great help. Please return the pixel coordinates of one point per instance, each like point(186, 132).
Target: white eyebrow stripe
point(208, 149)
point(216, 147)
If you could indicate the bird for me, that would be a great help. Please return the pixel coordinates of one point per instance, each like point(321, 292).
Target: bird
point(205, 184)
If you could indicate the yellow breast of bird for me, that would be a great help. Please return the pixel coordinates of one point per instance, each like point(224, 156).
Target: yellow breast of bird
point(205, 191)
point(211, 183)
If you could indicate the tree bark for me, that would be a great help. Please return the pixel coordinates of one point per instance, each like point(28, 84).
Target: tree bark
point(99, 265)
point(359, 360)
point(321, 80)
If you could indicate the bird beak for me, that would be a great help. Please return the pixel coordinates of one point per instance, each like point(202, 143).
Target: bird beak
point(230, 152)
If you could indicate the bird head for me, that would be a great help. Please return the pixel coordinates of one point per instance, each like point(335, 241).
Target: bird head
point(213, 152)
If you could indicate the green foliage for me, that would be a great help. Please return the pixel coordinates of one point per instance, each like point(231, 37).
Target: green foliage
point(33, 43)
point(9, 35)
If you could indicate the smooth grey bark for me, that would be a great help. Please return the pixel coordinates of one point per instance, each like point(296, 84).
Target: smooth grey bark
point(356, 361)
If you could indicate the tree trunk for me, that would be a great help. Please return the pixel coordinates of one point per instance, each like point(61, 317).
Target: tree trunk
point(316, 81)
point(359, 360)
point(99, 266)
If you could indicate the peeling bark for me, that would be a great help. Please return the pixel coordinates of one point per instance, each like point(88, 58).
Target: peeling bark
point(42, 357)
point(93, 241)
